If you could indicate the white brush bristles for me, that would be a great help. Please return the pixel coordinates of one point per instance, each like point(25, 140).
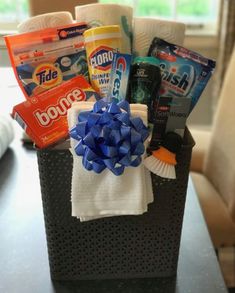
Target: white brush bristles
point(160, 168)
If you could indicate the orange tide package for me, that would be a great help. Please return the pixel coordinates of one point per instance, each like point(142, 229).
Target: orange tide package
point(46, 58)
point(44, 117)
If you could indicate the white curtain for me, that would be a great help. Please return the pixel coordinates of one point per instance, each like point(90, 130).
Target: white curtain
point(227, 38)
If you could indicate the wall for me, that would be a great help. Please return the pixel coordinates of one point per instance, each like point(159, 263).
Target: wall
point(208, 46)
point(45, 6)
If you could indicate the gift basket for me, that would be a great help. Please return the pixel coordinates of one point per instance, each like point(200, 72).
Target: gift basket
point(107, 100)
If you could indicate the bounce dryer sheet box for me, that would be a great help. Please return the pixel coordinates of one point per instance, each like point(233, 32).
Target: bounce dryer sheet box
point(46, 58)
point(44, 117)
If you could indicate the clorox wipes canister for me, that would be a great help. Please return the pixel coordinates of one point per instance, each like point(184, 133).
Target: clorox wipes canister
point(100, 43)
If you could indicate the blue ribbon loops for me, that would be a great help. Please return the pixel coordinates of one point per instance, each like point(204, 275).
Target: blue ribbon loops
point(109, 137)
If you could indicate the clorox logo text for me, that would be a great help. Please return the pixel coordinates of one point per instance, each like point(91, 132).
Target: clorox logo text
point(47, 75)
point(102, 58)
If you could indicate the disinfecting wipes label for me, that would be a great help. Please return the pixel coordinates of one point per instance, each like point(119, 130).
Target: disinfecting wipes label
point(100, 60)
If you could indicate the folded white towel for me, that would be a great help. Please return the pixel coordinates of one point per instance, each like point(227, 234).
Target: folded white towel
point(6, 134)
point(101, 195)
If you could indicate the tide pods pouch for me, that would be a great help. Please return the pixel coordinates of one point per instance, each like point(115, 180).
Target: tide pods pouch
point(46, 58)
point(184, 73)
point(44, 117)
point(119, 77)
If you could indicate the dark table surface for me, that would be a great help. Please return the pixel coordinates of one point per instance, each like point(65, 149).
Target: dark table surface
point(24, 264)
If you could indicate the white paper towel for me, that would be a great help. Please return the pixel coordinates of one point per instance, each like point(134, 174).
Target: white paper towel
point(146, 29)
point(48, 20)
point(108, 14)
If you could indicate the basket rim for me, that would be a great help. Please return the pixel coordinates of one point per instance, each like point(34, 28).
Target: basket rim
point(188, 143)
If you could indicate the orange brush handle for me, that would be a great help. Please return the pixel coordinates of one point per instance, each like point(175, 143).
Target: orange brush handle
point(164, 155)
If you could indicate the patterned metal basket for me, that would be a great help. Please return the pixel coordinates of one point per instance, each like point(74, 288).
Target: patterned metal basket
point(116, 247)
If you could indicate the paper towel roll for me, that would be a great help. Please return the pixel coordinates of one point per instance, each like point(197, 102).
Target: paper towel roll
point(145, 29)
point(108, 14)
point(47, 20)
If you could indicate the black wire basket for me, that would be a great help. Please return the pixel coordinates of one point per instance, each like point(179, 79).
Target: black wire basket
point(117, 247)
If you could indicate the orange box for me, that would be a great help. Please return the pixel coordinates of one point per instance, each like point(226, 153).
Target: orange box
point(43, 59)
point(44, 117)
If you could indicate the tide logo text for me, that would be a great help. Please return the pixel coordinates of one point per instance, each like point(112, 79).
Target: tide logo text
point(47, 75)
point(46, 117)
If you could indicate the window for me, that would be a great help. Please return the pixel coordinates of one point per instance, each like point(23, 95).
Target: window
point(200, 16)
point(11, 13)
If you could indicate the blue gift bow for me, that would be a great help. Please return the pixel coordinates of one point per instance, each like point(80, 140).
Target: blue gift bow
point(109, 137)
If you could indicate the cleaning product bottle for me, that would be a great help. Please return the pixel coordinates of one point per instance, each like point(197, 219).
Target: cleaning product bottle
point(145, 81)
point(101, 43)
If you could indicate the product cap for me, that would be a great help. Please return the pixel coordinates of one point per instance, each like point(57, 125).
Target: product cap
point(102, 32)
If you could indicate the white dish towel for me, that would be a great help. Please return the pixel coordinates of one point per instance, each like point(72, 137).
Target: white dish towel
point(101, 195)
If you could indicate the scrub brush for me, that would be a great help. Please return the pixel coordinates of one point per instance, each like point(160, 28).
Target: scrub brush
point(163, 160)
